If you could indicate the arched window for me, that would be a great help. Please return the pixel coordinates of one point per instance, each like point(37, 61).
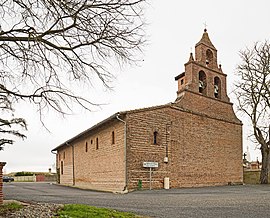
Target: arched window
point(202, 82)
point(217, 87)
point(155, 138)
point(209, 57)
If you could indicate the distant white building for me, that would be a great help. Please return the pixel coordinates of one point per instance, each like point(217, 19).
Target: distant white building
point(248, 155)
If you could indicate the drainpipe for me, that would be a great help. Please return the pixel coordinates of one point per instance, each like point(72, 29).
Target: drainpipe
point(125, 151)
point(57, 171)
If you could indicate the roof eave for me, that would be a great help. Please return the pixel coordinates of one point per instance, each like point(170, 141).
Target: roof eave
point(179, 76)
point(68, 142)
point(88, 130)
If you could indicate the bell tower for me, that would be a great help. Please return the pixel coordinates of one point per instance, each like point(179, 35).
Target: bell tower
point(202, 74)
point(205, 52)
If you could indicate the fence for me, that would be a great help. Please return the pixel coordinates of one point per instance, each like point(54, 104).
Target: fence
point(36, 178)
point(25, 179)
point(253, 176)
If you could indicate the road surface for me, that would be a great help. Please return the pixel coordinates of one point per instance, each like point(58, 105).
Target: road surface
point(226, 201)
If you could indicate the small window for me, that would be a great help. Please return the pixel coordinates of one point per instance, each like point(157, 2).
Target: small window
point(86, 147)
point(91, 141)
point(182, 81)
point(113, 138)
point(64, 156)
point(59, 156)
point(96, 143)
point(62, 168)
point(155, 137)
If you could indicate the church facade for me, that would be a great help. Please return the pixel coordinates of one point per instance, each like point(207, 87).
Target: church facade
point(194, 141)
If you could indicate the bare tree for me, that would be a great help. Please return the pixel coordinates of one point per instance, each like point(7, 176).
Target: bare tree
point(253, 92)
point(47, 46)
point(9, 126)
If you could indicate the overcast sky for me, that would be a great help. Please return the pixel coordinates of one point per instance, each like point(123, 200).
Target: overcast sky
point(174, 29)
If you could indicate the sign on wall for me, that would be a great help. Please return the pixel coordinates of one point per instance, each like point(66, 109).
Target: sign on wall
point(150, 164)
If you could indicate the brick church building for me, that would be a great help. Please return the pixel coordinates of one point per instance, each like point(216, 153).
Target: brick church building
point(194, 141)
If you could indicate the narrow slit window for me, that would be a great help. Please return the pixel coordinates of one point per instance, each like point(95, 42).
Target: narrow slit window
point(62, 168)
point(86, 147)
point(113, 138)
point(96, 143)
point(155, 138)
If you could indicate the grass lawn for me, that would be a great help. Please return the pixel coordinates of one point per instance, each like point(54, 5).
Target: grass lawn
point(84, 211)
point(9, 207)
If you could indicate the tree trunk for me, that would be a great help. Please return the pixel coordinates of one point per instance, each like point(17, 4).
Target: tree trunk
point(265, 165)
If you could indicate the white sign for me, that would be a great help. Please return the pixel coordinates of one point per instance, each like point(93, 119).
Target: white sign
point(150, 164)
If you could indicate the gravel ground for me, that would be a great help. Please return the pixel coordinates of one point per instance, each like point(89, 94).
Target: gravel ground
point(35, 210)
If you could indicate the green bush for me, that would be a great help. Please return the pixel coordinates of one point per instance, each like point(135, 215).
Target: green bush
point(24, 174)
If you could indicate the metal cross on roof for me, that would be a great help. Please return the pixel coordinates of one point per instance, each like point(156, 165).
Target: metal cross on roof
point(205, 25)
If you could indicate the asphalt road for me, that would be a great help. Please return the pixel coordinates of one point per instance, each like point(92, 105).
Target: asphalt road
point(228, 201)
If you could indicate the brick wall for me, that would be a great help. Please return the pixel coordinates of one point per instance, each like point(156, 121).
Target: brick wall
point(210, 107)
point(199, 147)
point(99, 169)
point(2, 164)
point(141, 147)
point(202, 139)
point(65, 157)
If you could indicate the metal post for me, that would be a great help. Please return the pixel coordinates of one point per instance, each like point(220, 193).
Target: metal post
point(125, 151)
point(150, 178)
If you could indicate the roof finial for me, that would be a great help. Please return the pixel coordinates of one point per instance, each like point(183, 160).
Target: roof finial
point(191, 57)
point(205, 27)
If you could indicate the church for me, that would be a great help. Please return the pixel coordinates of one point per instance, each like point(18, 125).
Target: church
point(194, 141)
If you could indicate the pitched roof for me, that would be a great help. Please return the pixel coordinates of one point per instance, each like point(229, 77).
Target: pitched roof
point(206, 40)
point(114, 116)
point(87, 131)
point(179, 76)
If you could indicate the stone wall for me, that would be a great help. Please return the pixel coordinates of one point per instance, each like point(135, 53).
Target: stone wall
point(253, 176)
